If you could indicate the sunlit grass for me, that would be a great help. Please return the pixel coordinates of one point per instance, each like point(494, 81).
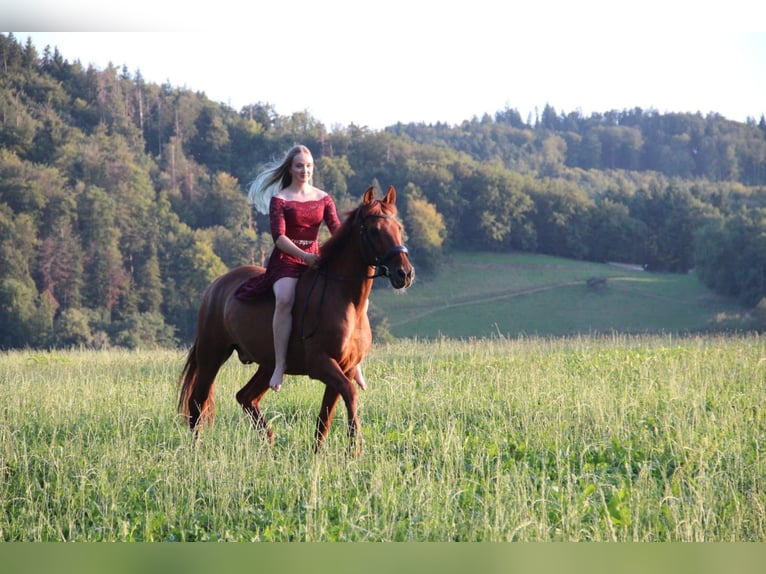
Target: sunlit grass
point(611, 438)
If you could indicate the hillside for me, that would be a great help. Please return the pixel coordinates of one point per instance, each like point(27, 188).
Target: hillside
point(122, 200)
point(481, 295)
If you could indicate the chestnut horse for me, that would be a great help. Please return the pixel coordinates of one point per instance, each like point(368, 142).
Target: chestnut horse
point(330, 334)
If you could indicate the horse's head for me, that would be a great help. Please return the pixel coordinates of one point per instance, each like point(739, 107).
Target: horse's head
point(381, 236)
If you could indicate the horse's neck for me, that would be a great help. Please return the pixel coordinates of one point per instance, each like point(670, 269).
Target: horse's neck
point(353, 273)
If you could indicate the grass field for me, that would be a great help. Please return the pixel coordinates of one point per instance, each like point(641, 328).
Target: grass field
point(628, 438)
point(482, 295)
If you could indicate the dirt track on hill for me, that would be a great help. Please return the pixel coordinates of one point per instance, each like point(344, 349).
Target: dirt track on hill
point(463, 302)
point(486, 299)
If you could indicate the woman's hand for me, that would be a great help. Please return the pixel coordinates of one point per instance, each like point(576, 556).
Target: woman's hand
point(311, 259)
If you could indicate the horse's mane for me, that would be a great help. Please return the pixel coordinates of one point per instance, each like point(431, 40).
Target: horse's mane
point(338, 240)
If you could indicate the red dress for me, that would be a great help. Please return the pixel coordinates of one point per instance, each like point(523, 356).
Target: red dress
point(299, 221)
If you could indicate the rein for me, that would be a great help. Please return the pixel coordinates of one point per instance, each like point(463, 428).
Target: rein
point(379, 262)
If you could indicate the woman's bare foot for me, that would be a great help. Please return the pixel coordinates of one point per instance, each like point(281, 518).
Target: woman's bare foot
point(276, 381)
point(359, 378)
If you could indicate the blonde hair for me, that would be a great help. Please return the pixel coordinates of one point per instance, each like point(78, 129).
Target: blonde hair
point(273, 179)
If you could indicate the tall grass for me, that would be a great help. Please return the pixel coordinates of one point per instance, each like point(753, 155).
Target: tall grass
point(531, 439)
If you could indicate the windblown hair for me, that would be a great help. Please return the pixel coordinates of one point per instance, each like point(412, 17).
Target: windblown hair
point(273, 179)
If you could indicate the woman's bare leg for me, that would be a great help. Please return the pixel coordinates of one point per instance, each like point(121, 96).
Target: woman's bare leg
point(284, 291)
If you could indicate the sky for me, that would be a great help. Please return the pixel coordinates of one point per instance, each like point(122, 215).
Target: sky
point(375, 64)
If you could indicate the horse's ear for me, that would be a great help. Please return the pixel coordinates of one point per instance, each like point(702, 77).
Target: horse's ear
point(390, 196)
point(369, 196)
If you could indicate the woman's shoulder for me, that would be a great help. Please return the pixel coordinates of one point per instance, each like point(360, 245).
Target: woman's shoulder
point(320, 194)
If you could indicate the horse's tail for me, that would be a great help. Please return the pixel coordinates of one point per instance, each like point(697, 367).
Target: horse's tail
point(195, 401)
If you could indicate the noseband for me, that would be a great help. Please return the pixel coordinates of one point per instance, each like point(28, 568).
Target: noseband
point(379, 261)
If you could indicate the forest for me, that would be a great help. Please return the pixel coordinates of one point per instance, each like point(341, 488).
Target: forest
point(121, 199)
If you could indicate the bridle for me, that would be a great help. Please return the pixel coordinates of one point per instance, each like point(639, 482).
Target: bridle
point(378, 261)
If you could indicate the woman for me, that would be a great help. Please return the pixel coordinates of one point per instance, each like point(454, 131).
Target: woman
point(296, 210)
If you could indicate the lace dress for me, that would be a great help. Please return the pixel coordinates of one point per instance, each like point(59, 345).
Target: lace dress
point(299, 221)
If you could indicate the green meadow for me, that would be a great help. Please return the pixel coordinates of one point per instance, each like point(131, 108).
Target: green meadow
point(486, 295)
point(617, 437)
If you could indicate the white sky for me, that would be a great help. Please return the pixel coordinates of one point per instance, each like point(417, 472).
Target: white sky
point(374, 64)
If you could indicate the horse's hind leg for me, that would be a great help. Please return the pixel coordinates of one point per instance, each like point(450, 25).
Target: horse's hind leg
point(201, 395)
point(250, 397)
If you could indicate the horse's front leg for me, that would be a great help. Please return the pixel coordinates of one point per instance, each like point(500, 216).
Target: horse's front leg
point(354, 440)
point(337, 385)
point(329, 400)
point(249, 397)
point(350, 398)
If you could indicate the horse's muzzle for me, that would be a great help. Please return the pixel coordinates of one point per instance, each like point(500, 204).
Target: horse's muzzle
point(401, 275)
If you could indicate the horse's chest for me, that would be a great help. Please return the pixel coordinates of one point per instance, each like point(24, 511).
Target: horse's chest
point(354, 334)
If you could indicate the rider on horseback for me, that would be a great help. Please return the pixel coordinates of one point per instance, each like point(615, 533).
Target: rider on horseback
point(296, 210)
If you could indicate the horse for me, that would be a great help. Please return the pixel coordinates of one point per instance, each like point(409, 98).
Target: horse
point(330, 333)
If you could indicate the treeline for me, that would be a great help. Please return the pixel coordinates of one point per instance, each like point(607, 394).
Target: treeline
point(121, 200)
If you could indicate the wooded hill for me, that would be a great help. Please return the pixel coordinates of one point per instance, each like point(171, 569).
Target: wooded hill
point(121, 200)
